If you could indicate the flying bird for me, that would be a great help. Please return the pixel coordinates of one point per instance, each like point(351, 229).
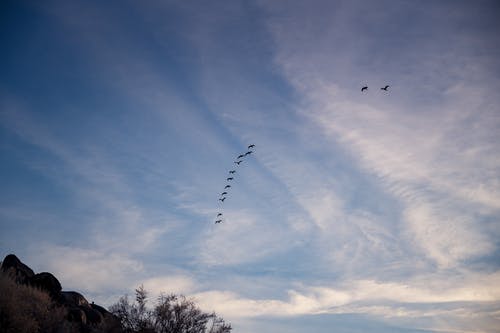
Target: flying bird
point(232, 171)
point(229, 178)
point(218, 221)
point(220, 214)
point(364, 88)
point(222, 199)
point(384, 88)
point(227, 186)
point(238, 162)
point(251, 146)
point(223, 193)
point(248, 153)
point(240, 156)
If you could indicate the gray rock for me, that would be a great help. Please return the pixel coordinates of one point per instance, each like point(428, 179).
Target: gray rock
point(48, 282)
point(99, 308)
point(94, 317)
point(77, 315)
point(19, 271)
point(73, 299)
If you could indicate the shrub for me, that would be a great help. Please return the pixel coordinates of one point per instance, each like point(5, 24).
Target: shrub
point(170, 314)
point(27, 309)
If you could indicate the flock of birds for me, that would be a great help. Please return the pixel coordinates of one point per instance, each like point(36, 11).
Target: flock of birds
point(230, 178)
point(366, 88)
point(240, 159)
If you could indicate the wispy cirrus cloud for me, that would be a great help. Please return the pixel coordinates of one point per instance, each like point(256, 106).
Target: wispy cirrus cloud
point(424, 156)
point(418, 162)
point(92, 177)
point(173, 283)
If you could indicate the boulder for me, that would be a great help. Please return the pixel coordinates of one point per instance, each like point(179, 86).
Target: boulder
point(94, 317)
point(48, 282)
point(77, 315)
point(19, 271)
point(73, 299)
point(99, 308)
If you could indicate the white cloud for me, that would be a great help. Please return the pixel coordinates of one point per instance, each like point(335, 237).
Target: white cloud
point(177, 284)
point(242, 238)
point(389, 299)
point(445, 237)
point(324, 206)
point(87, 270)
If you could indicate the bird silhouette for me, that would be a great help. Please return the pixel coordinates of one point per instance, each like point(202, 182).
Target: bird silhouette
point(227, 186)
point(223, 193)
point(220, 214)
point(251, 146)
point(238, 162)
point(232, 171)
point(384, 88)
point(248, 153)
point(364, 88)
point(229, 178)
point(240, 156)
point(218, 221)
point(222, 199)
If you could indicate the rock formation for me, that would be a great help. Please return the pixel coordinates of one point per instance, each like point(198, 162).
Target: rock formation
point(47, 282)
point(19, 271)
point(79, 313)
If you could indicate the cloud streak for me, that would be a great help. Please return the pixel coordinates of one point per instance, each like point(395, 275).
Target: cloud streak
point(388, 299)
point(416, 152)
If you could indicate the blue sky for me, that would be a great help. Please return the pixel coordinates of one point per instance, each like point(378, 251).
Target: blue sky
point(375, 211)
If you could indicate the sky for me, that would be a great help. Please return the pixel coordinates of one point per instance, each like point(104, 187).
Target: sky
point(357, 211)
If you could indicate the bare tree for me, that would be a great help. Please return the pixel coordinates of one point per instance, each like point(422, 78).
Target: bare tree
point(135, 317)
point(171, 314)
